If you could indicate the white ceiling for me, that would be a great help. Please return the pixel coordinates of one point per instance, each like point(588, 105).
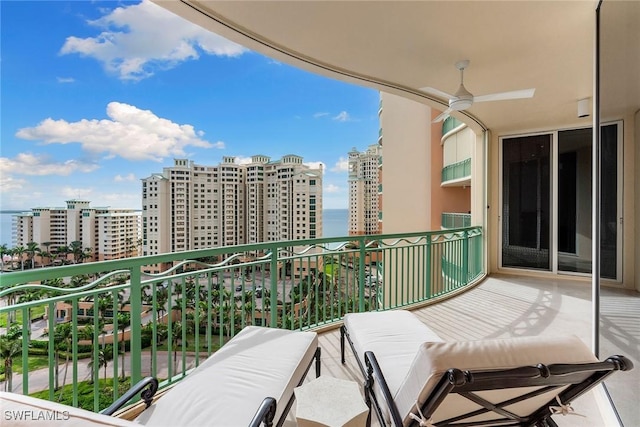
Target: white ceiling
point(400, 46)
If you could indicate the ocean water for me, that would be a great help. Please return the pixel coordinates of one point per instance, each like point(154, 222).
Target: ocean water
point(334, 224)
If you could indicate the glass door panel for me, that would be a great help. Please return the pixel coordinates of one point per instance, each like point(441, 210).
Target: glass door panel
point(609, 215)
point(526, 215)
point(575, 200)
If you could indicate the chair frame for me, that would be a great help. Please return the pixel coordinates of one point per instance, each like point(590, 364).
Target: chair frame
point(575, 379)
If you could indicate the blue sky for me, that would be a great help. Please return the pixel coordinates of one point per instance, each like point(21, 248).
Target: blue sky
point(98, 95)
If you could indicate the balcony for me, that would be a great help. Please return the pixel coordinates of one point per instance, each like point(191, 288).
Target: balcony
point(449, 124)
point(455, 220)
point(187, 312)
point(457, 174)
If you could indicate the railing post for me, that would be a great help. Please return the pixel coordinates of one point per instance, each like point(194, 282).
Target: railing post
point(361, 275)
point(428, 264)
point(136, 326)
point(465, 257)
point(25, 350)
point(273, 290)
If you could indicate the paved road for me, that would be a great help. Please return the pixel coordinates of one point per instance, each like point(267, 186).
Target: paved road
point(39, 379)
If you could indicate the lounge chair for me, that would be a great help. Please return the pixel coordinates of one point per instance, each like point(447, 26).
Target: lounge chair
point(511, 382)
point(248, 382)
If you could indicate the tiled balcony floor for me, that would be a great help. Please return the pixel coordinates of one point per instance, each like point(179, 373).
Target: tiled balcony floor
point(509, 306)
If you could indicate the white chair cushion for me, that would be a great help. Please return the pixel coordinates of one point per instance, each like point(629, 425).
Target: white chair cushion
point(18, 410)
point(393, 336)
point(229, 386)
point(433, 359)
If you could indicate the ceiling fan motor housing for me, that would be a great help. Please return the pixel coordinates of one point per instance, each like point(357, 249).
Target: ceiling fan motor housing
point(462, 99)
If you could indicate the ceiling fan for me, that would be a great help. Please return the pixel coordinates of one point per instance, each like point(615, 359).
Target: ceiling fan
point(463, 99)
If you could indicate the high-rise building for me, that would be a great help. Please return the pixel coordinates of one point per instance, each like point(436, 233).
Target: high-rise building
point(190, 206)
point(364, 199)
point(105, 233)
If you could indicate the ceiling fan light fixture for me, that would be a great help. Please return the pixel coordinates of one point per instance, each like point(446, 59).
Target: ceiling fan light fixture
point(461, 103)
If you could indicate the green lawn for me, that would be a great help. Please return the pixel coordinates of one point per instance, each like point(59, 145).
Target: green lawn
point(215, 341)
point(35, 362)
point(36, 313)
point(85, 393)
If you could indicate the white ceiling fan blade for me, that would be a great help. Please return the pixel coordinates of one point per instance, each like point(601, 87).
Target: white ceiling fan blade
point(515, 94)
point(436, 92)
point(442, 116)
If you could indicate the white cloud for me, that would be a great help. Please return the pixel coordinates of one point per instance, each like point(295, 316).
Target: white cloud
point(319, 115)
point(9, 183)
point(342, 165)
point(120, 178)
point(332, 189)
point(65, 79)
point(342, 116)
point(242, 160)
point(139, 39)
point(316, 165)
point(131, 133)
point(30, 164)
point(54, 193)
point(76, 193)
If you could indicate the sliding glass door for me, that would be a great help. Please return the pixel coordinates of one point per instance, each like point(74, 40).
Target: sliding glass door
point(526, 214)
point(574, 200)
point(547, 201)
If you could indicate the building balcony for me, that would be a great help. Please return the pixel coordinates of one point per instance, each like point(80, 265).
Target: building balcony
point(457, 174)
point(449, 124)
point(455, 220)
point(204, 297)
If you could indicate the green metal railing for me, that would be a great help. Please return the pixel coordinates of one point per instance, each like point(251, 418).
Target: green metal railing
point(449, 124)
point(455, 220)
point(456, 170)
point(164, 324)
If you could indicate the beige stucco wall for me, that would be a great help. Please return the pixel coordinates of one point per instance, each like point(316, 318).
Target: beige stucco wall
point(407, 181)
point(634, 178)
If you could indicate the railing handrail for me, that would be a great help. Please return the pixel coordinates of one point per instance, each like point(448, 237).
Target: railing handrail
point(45, 273)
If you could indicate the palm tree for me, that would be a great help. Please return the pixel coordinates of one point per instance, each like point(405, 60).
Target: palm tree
point(46, 252)
point(63, 252)
point(124, 320)
point(89, 333)
point(8, 350)
point(20, 250)
point(10, 347)
point(75, 248)
point(176, 338)
point(63, 334)
point(32, 250)
point(87, 254)
point(104, 302)
point(4, 250)
point(162, 297)
point(52, 257)
point(78, 280)
point(28, 296)
point(102, 360)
